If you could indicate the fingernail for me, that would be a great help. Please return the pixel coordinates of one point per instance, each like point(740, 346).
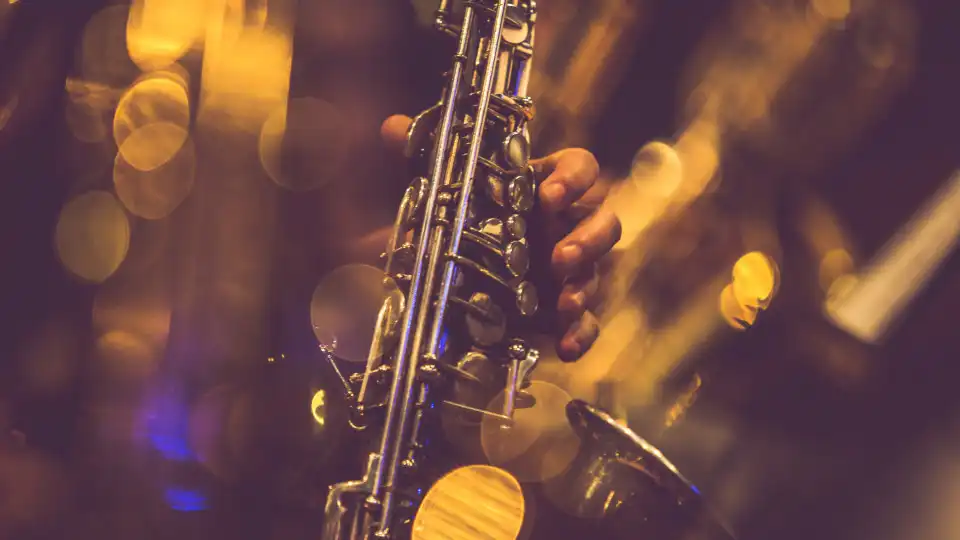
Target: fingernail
point(553, 193)
point(571, 254)
point(580, 299)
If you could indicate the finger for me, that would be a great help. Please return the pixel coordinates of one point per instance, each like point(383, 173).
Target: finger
point(568, 175)
point(393, 131)
point(592, 238)
point(579, 338)
point(577, 294)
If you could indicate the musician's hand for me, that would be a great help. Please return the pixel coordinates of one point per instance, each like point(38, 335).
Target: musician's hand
point(571, 196)
point(583, 231)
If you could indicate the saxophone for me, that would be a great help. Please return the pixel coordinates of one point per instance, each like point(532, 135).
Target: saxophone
point(460, 251)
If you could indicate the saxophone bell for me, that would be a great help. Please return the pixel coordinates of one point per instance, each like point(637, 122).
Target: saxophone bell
point(625, 484)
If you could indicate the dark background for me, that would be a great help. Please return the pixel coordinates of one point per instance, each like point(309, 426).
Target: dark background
point(823, 460)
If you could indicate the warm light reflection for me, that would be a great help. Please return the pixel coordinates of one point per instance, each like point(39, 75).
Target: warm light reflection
point(246, 68)
point(540, 443)
point(155, 193)
point(870, 305)
point(152, 121)
point(476, 502)
point(756, 278)
point(92, 236)
point(160, 32)
point(318, 407)
point(831, 9)
point(346, 307)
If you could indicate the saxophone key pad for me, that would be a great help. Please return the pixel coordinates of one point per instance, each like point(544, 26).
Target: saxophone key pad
point(517, 257)
point(485, 330)
point(516, 150)
point(520, 194)
point(527, 300)
point(516, 226)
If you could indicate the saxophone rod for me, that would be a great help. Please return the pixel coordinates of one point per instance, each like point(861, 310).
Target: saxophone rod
point(469, 172)
point(403, 347)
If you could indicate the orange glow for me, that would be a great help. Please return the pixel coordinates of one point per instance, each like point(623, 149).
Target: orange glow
point(160, 32)
point(246, 68)
point(756, 278)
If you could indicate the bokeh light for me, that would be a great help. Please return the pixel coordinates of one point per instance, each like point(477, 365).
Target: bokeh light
point(756, 279)
point(155, 193)
point(305, 143)
point(540, 443)
point(471, 503)
point(152, 121)
point(92, 236)
point(160, 32)
point(345, 306)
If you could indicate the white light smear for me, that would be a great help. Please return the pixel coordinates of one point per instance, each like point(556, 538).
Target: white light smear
point(904, 266)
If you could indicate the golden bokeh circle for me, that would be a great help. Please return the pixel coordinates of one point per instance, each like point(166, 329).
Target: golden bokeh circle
point(157, 101)
point(345, 307)
point(540, 443)
point(756, 279)
point(475, 502)
point(92, 236)
point(154, 192)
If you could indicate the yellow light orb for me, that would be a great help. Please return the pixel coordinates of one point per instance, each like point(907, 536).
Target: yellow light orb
point(476, 502)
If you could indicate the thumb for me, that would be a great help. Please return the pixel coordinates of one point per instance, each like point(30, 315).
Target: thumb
point(393, 131)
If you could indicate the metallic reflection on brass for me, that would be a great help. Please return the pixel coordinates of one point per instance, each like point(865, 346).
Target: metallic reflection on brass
point(476, 502)
point(304, 143)
point(345, 306)
point(160, 32)
point(92, 236)
point(540, 444)
point(157, 192)
point(152, 121)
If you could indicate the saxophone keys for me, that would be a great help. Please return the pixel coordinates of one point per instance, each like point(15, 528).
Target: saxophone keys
point(516, 150)
point(485, 321)
point(520, 194)
point(527, 299)
point(516, 226)
point(517, 257)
